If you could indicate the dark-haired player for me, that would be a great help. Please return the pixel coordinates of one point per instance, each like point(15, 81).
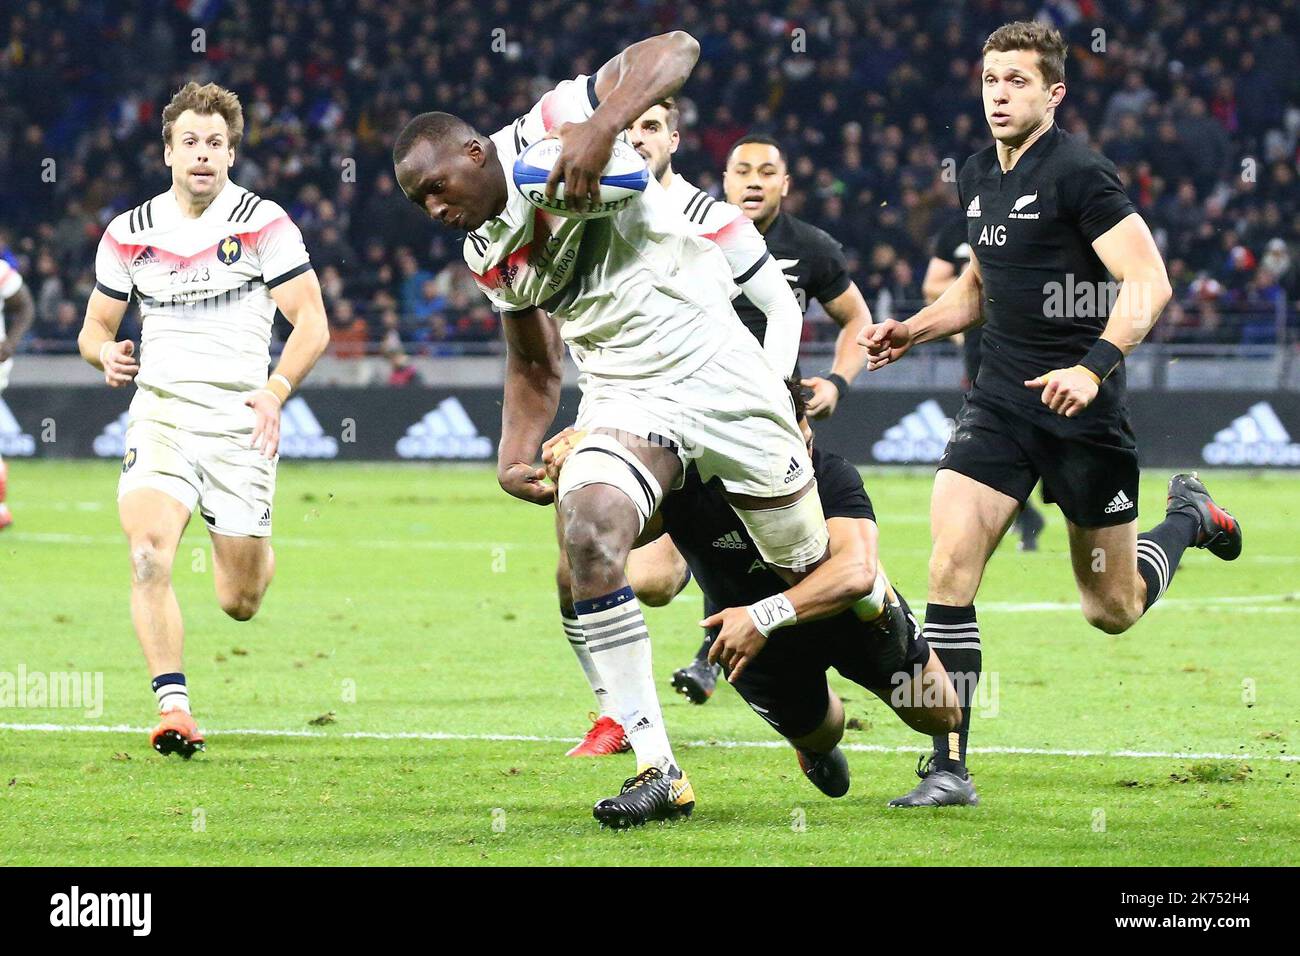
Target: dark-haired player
point(643, 304)
point(1044, 213)
point(656, 571)
point(950, 257)
point(756, 179)
point(778, 642)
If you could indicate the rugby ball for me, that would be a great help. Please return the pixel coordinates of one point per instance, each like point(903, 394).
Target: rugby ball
point(625, 178)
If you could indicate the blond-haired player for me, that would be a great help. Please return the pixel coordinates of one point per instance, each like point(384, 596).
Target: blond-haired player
point(209, 263)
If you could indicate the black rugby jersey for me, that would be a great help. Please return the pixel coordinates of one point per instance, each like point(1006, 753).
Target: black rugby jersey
point(719, 551)
point(813, 263)
point(1047, 295)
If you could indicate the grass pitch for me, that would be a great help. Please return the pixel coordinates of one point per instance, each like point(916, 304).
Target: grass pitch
point(406, 696)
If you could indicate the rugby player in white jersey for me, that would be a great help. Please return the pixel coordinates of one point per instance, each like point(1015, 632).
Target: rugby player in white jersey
point(667, 371)
point(657, 571)
point(16, 313)
point(209, 263)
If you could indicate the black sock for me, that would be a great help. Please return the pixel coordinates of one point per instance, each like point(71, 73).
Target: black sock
point(954, 634)
point(1161, 548)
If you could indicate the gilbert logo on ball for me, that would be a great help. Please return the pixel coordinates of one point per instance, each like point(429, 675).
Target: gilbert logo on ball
point(624, 179)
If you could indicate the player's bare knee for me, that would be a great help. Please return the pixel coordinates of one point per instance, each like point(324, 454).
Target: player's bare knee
point(242, 605)
point(658, 588)
point(1110, 617)
point(593, 551)
point(150, 563)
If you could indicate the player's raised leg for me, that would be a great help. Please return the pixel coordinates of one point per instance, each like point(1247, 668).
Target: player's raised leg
point(153, 522)
point(1121, 573)
point(967, 520)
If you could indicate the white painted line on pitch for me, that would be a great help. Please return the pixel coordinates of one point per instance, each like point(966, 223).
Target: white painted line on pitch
point(737, 744)
point(413, 543)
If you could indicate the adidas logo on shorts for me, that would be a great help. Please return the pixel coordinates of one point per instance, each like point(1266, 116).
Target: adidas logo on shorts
point(1119, 503)
point(265, 520)
point(732, 541)
point(793, 472)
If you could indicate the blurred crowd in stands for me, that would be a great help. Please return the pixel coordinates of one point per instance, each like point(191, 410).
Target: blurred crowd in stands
point(876, 103)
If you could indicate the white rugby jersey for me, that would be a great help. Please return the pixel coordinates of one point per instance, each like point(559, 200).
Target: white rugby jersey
point(724, 224)
point(204, 287)
point(10, 282)
point(639, 296)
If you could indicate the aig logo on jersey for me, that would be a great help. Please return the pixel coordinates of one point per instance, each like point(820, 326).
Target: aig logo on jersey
point(992, 236)
point(229, 250)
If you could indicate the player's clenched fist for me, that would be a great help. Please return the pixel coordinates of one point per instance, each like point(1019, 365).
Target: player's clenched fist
point(118, 359)
point(556, 449)
point(526, 482)
point(885, 342)
point(1067, 391)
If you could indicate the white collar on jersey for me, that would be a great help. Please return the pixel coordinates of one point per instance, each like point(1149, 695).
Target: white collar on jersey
point(219, 208)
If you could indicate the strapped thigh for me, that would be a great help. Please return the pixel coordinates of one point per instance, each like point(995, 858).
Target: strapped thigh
point(599, 459)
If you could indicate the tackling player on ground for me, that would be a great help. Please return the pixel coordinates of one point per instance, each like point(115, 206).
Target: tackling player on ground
point(209, 263)
point(644, 305)
point(1044, 213)
point(17, 310)
point(778, 643)
point(657, 571)
point(756, 179)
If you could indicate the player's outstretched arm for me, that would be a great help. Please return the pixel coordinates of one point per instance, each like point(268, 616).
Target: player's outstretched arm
point(534, 372)
point(958, 309)
point(98, 343)
point(1129, 253)
point(626, 86)
point(835, 585)
point(300, 301)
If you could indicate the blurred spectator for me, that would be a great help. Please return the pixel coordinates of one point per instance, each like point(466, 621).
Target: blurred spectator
point(1197, 104)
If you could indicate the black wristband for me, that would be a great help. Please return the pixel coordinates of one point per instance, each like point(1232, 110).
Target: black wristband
point(1102, 359)
point(841, 386)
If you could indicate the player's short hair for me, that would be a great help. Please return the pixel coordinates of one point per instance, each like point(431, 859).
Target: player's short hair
point(669, 103)
point(1044, 40)
point(205, 100)
point(435, 128)
point(755, 138)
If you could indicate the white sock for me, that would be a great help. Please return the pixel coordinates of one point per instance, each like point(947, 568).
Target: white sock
point(619, 644)
point(573, 631)
point(172, 692)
